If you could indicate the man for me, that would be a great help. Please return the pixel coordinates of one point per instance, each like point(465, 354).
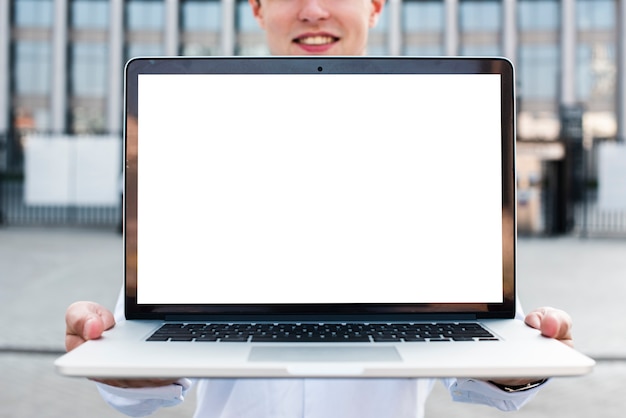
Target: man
point(321, 27)
point(303, 27)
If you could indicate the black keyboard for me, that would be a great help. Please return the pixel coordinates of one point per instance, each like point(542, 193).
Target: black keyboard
point(322, 332)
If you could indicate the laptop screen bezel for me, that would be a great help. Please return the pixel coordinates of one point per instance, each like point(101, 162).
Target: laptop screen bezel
point(317, 65)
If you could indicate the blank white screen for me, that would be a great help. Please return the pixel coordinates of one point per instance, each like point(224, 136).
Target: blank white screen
point(319, 189)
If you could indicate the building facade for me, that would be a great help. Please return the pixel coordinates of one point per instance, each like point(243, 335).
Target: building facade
point(61, 60)
point(61, 73)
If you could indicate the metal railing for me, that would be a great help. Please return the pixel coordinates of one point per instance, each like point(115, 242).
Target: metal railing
point(593, 221)
point(16, 210)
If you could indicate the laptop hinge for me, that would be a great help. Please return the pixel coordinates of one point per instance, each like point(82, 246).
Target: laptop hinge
point(321, 318)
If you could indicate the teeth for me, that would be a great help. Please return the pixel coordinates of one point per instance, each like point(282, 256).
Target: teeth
point(316, 40)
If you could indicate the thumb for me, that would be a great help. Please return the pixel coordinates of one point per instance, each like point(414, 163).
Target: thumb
point(86, 321)
point(553, 323)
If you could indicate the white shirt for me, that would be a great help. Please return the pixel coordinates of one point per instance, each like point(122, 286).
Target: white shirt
point(307, 398)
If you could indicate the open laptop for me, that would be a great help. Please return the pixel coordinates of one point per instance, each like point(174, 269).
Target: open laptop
point(307, 217)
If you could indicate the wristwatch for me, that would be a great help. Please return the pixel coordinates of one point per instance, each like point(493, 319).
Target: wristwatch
point(519, 388)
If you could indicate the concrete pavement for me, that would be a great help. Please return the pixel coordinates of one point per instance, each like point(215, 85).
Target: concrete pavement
point(43, 270)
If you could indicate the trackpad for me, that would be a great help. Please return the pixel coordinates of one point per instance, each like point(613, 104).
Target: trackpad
point(324, 354)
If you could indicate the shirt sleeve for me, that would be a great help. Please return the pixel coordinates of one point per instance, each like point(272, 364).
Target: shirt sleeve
point(144, 401)
point(481, 392)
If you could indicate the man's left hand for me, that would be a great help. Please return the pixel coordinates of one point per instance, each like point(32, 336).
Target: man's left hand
point(553, 323)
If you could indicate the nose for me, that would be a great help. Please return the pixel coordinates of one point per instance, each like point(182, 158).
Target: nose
point(313, 10)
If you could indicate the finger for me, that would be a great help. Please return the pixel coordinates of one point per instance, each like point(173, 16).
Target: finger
point(553, 323)
point(86, 321)
point(533, 319)
point(556, 324)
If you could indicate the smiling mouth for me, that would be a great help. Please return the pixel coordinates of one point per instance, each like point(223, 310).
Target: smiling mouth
point(317, 40)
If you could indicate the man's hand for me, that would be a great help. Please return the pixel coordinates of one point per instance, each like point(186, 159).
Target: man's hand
point(553, 323)
point(87, 321)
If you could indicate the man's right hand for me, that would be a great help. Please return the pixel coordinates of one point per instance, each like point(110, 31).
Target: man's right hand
point(87, 321)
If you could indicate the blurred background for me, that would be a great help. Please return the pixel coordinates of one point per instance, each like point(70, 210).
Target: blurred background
point(61, 103)
point(61, 78)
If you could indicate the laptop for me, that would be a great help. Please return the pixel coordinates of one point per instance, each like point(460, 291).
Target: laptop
point(320, 217)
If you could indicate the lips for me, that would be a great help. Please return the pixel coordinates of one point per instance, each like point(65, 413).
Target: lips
point(316, 42)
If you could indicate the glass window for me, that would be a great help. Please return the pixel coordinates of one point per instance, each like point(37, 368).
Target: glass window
point(201, 25)
point(32, 67)
point(33, 13)
point(423, 24)
point(583, 66)
point(90, 14)
point(89, 69)
point(145, 15)
point(596, 72)
point(538, 71)
point(480, 15)
point(480, 23)
point(595, 14)
point(538, 14)
point(422, 16)
point(596, 66)
point(201, 15)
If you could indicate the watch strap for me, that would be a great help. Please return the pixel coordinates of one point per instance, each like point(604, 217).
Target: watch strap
point(519, 388)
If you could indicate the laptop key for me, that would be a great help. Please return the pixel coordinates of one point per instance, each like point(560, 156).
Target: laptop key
point(206, 338)
point(414, 339)
point(386, 339)
point(234, 338)
point(189, 338)
point(159, 338)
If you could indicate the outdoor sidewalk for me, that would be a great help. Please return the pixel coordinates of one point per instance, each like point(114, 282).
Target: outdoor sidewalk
point(43, 270)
